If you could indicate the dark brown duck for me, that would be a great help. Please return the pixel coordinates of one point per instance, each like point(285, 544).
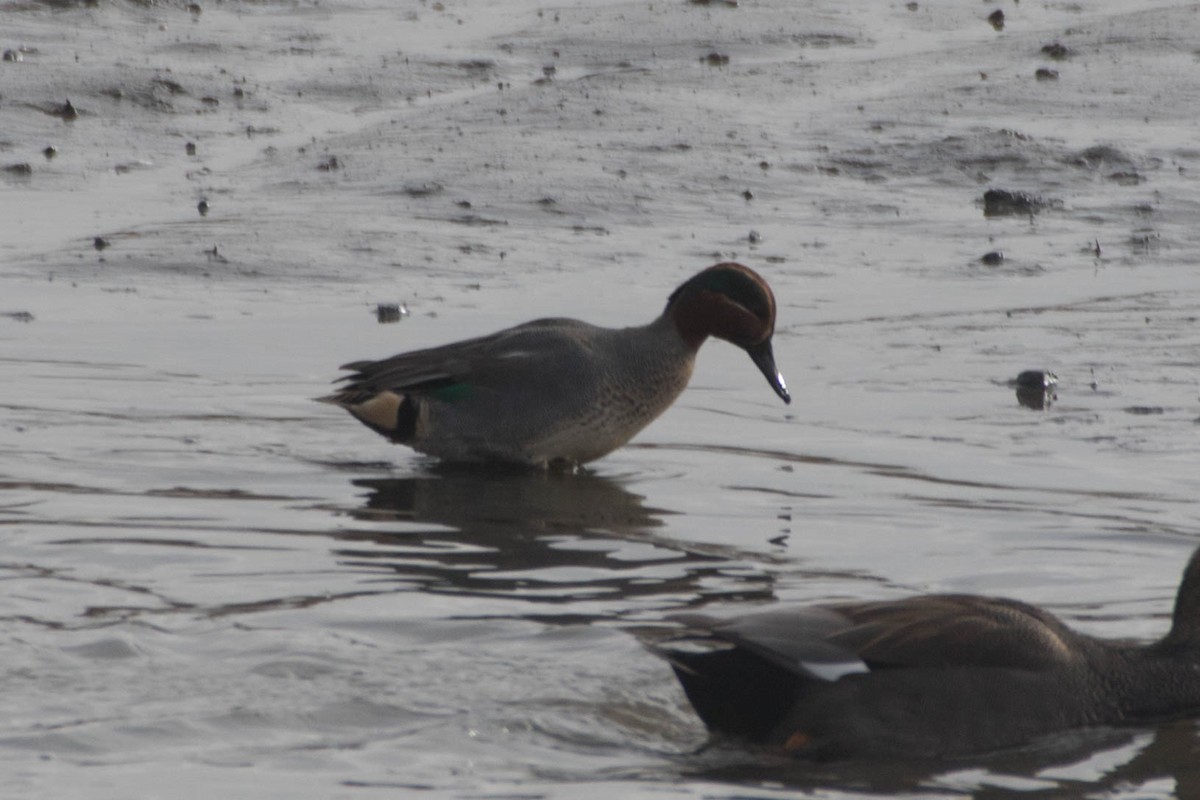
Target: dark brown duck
point(929, 676)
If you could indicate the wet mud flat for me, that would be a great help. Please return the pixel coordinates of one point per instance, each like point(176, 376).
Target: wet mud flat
point(210, 579)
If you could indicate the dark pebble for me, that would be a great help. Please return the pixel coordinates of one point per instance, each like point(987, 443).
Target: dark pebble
point(1003, 202)
point(99, 243)
point(190, 148)
point(716, 59)
point(1045, 74)
point(389, 312)
point(992, 259)
point(1036, 389)
point(330, 164)
point(23, 169)
point(202, 207)
point(50, 152)
point(1037, 378)
point(996, 19)
point(1056, 50)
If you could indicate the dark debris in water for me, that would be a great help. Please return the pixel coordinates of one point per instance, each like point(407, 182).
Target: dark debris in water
point(386, 313)
point(18, 316)
point(1036, 388)
point(1007, 203)
point(1056, 50)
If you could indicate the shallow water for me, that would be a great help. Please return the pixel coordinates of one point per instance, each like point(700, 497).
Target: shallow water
point(211, 582)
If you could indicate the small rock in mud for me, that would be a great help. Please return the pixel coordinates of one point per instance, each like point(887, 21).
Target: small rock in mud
point(22, 169)
point(715, 59)
point(1036, 378)
point(1046, 74)
point(992, 259)
point(50, 152)
point(1003, 203)
point(1056, 50)
point(996, 19)
point(19, 316)
point(100, 243)
point(67, 111)
point(330, 164)
point(1036, 388)
point(190, 148)
point(390, 312)
point(754, 237)
point(13, 55)
point(202, 207)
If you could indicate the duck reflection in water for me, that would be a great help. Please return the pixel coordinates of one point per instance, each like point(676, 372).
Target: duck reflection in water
point(538, 536)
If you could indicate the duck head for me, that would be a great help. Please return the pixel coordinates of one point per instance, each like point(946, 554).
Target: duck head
point(731, 302)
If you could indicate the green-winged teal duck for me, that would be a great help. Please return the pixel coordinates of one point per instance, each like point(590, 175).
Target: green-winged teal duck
point(928, 676)
point(559, 390)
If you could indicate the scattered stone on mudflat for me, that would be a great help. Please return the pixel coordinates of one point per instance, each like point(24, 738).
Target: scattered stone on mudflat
point(13, 55)
point(996, 19)
point(390, 312)
point(18, 316)
point(190, 148)
point(993, 259)
point(21, 169)
point(1004, 203)
point(1037, 378)
point(1036, 388)
point(202, 207)
point(1046, 74)
point(330, 164)
point(50, 152)
point(1056, 50)
point(100, 243)
point(715, 59)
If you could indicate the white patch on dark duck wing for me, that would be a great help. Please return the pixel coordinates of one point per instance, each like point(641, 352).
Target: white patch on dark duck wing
point(515, 354)
point(381, 411)
point(833, 670)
